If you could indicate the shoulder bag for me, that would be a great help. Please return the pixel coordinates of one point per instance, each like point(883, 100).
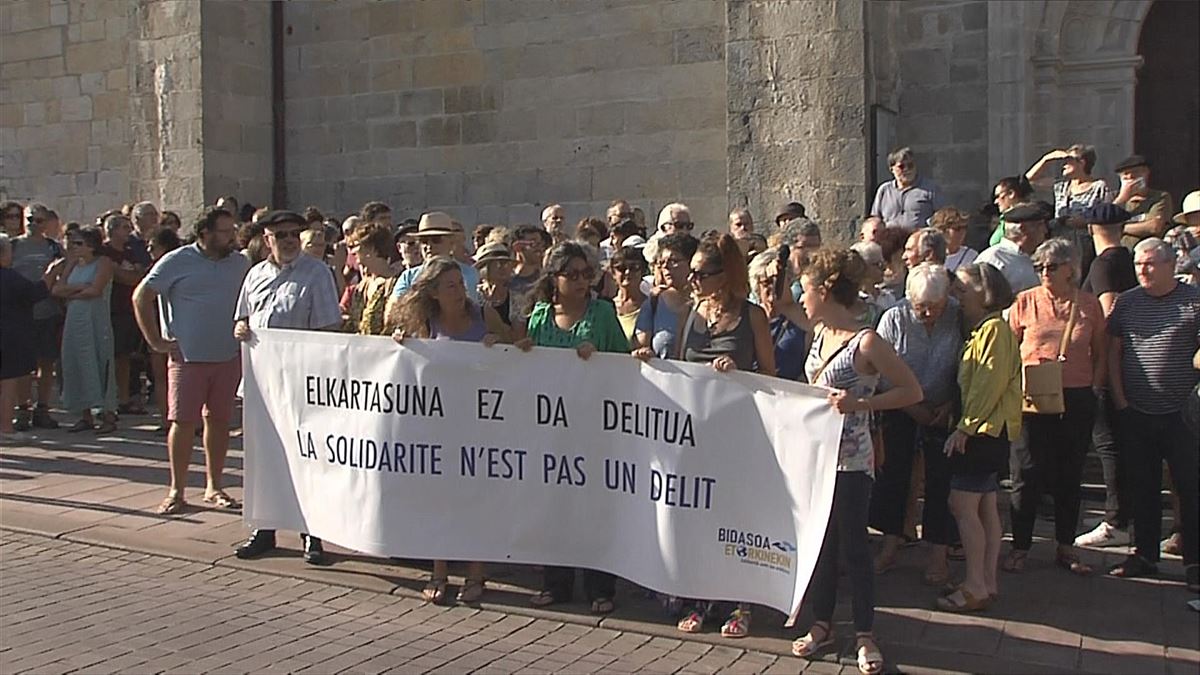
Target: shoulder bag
point(1042, 384)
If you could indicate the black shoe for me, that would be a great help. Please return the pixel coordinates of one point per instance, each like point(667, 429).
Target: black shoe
point(43, 420)
point(23, 421)
point(260, 542)
point(314, 552)
point(1134, 566)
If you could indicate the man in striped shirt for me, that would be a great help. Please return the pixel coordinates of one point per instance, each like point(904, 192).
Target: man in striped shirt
point(1154, 336)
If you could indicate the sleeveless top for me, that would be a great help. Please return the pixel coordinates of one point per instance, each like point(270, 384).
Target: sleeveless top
point(474, 332)
point(699, 346)
point(855, 451)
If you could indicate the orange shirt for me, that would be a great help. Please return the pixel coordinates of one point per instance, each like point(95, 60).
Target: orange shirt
point(1039, 325)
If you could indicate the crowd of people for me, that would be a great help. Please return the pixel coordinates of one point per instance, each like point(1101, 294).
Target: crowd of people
point(1076, 327)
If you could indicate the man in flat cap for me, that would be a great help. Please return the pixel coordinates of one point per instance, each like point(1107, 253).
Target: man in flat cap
point(1024, 231)
point(1148, 208)
point(287, 290)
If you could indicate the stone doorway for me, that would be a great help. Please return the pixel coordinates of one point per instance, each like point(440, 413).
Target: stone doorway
point(1167, 99)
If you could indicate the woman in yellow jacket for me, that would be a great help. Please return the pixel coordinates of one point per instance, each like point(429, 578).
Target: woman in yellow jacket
point(989, 377)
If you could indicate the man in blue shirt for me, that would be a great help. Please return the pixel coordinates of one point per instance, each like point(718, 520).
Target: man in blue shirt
point(436, 232)
point(908, 201)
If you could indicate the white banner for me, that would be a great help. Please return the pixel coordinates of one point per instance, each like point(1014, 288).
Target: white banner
point(678, 478)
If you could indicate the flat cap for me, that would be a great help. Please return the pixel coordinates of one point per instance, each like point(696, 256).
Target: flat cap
point(1130, 162)
point(1105, 214)
point(789, 211)
point(280, 217)
point(1024, 213)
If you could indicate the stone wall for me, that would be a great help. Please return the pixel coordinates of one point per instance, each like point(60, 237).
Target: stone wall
point(97, 101)
point(797, 100)
point(942, 94)
point(237, 121)
point(491, 109)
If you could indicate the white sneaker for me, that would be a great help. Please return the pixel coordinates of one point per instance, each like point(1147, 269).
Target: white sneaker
point(1103, 535)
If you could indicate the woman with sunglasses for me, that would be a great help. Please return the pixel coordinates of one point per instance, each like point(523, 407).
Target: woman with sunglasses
point(953, 223)
point(565, 315)
point(728, 332)
point(628, 266)
point(1052, 461)
point(659, 319)
point(88, 368)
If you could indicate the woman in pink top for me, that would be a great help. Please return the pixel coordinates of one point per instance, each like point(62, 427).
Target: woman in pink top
point(1052, 459)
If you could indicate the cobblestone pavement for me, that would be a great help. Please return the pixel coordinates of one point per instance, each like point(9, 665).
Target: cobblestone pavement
point(68, 607)
point(87, 569)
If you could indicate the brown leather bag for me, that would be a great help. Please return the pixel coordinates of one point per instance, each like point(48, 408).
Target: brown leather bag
point(1042, 384)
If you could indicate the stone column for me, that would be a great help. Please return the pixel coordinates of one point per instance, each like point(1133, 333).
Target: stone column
point(797, 113)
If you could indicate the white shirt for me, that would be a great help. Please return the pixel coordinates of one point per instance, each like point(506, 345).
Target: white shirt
point(1012, 263)
point(299, 295)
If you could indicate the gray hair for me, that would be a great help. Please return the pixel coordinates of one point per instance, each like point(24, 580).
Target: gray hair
point(899, 155)
point(1085, 152)
point(796, 230)
point(139, 210)
point(1058, 251)
point(927, 282)
point(760, 265)
point(112, 220)
point(931, 240)
point(869, 251)
point(1162, 250)
point(741, 213)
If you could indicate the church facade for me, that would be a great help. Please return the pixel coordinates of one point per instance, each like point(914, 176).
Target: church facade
point(491, 109)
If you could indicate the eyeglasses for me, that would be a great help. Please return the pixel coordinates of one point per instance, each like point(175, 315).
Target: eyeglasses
point(575, 275)
point(669, 262)
point(701, 275)
point(1048, 268)
point(628, 269)
point(286, 234)
point(683, 225)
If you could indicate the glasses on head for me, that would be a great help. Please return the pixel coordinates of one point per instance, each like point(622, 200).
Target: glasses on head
point(1047, 268)
point(286, 234)
point(701, 274)
point(575, 275)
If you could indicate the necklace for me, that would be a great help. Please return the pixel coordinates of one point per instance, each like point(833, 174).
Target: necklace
point(714, 315)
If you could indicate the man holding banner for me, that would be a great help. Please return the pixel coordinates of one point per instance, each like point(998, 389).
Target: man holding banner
point(287, 290)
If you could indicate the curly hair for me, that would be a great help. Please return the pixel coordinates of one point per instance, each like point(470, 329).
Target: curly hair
point(376, 237)
point(417, 308)
point(556, 262)
point(840, 271)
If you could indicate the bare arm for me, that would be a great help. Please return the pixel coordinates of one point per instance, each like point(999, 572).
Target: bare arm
point(906, 390)
point(61, 288)
point(104, 275)
point(1034, 174)
point(1116, 385)
point(1107, 302)
point(764, 346)
point(145, 310)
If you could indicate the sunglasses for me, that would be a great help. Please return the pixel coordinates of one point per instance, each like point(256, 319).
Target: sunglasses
point(628, 269)
point(1049, 268)
point(683, 225)
point(286, 234)
point(701, 275)
point(575, 275)
point(669, 262)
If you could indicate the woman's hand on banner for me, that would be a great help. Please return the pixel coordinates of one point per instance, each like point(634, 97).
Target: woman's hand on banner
point(241, 331)
point(643, 353)
point(489, 339)
point(398, 336)
point(585, 350)
point(524, 344)
point(724, 364)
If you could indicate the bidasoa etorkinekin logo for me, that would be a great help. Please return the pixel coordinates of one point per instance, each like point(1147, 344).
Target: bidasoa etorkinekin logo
point(753, 548)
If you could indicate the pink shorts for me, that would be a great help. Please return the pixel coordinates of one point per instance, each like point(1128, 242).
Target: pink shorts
point(195, 389)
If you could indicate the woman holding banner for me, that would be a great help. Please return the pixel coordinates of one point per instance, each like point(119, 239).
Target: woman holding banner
point(849, 359)
point(728, 332)
point(436, 307)
point(565, 315)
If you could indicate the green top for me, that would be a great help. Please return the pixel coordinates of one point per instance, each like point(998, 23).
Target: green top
point(998, 233)
point(598, 325)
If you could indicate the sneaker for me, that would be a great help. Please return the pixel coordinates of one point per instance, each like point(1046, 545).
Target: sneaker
point(23, 421)
point(1104, 535)
point(43, 420)
point(1172, 545)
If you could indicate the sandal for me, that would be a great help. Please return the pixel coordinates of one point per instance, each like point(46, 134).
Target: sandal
point(173, 504)
point(81, 425)
point(435, 591)
point(543, 599)
point(870, 659)
point(968, 603)
point(808, 645)
point(737, 625)
point(1015, 561)
point(603, 606)
point(471, 591)
point(692, 623)
point(1070, 562)
point(221, 500)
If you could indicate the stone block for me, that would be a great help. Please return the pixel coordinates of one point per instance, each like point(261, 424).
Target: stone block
point(60, 14)
point(479, 128)
point(565, 184)
point(427, 16)
point(371, 106)
point(435, 131)
point(33, 44)
point(448, 69)
point(635, 181)
point(444, 188)
point(77, 109)
point(419, 103)
point(648, 117)
point(91, 31)
point(109, 105)
point(554, 122)
point(695, 45)
point(89, 57)
point(975, 15)
point(351, 137)
point(393, 134)
point(516, 125)
point(389, 18)
point(703, 178)
point(15, 114)
point(471, 98)
point(924, 67)
point(687, 13)
point(26, 15)
point(391, 75)
point(604, 119)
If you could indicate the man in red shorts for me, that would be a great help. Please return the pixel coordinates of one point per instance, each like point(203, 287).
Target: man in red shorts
point(198, 286)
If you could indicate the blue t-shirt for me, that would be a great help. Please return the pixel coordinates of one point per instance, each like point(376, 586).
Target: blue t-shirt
point(662, 325)
point(470, 279)
point(790, 351)
point(199, 295)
